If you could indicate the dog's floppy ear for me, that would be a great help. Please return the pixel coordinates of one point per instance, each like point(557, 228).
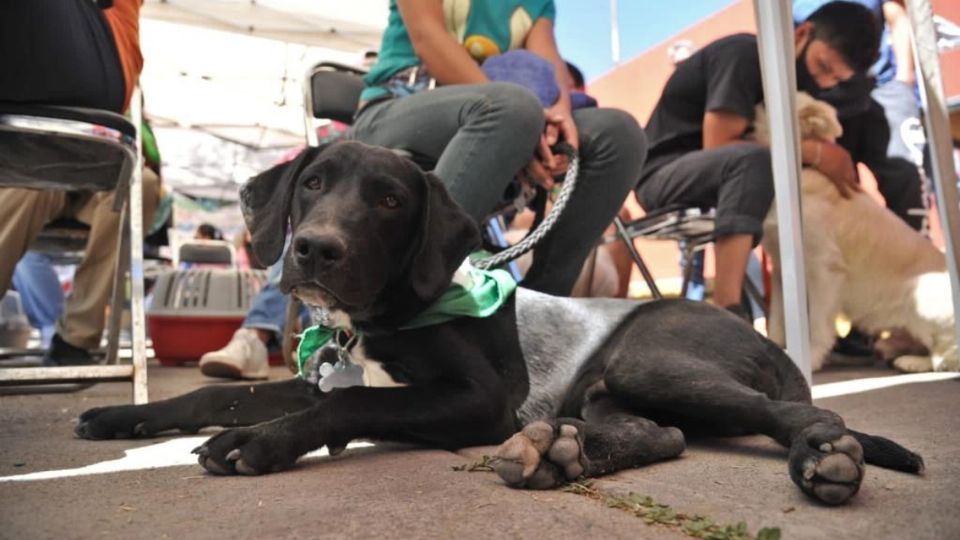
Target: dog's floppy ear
point(265, 202)
point(447, 236)
point(817, 119)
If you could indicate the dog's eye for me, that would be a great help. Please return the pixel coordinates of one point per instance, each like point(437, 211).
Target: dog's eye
point(313, 182)
point(390, 201)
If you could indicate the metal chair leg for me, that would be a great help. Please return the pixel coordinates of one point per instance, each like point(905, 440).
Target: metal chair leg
point(637, 259)
point(688, 253)
point(129, 194)
point(137, 314)
point(289, 330)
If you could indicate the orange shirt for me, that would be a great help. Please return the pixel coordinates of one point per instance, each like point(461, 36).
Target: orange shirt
point(124, 21)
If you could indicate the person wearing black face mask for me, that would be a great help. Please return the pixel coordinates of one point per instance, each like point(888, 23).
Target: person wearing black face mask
point(805, 81)
point(697, 154)
point(875, 110)
point(878, 108)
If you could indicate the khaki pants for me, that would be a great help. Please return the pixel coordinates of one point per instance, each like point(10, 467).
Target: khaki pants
point(26, 211)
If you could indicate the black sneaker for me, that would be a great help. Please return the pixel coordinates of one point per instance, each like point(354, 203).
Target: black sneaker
point(62, 353)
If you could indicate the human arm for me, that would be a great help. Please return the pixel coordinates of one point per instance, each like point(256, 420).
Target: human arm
point(444, 57)
point(559, 118)
point(723, 127)
point(540, 41)
point(730, 69)
point(834, 162)
point(900, 39)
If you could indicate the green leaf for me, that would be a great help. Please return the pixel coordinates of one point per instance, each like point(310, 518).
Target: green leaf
point(769, 533)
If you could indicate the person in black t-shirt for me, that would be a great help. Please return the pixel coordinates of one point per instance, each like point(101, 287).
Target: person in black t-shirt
point(697, 154)
point(879, 111)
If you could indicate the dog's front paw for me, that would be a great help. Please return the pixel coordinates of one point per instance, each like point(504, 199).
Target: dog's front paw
point(248, 451)
point(123, 422)
point(827, 464)
point(541, 456)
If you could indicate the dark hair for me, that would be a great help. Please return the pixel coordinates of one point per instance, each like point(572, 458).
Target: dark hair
point(851, 29)
point(207, 230)
point(576, 74)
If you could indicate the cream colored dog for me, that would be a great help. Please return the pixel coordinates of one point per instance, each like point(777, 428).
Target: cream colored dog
point(862, 261)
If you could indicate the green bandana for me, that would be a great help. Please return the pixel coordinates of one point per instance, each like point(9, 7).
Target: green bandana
point(482, 295)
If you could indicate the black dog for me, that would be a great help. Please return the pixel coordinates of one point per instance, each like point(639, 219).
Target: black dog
point(600, 385)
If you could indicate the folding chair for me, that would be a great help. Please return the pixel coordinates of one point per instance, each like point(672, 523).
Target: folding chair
point(77, 149)
point(331, 92)
point(693, 228)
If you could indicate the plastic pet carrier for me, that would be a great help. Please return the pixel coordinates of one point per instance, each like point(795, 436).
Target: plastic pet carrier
point(196, 311)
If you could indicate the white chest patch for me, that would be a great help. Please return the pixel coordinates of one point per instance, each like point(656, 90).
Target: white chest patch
point(373, 373)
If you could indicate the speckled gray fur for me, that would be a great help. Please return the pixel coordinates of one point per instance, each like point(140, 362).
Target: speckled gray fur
point(557, 335)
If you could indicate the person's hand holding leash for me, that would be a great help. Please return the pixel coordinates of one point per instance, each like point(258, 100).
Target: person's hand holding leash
point(546, 165)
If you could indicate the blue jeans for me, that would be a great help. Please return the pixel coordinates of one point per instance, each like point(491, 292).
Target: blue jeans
point(40, 293)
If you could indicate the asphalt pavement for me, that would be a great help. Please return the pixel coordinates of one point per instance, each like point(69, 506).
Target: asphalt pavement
point(53, 485)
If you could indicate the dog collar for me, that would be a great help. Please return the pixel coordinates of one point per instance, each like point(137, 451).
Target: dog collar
point(472, 293)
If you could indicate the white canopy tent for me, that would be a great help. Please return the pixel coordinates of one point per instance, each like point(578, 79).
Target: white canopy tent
point(222, 79)
point(331, 24)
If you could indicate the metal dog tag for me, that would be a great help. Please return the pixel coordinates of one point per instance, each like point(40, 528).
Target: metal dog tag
point(344, 374)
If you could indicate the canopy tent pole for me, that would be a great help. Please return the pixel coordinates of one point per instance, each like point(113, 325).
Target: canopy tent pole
point(614, 32)
point(777, 64)
point(937, 126)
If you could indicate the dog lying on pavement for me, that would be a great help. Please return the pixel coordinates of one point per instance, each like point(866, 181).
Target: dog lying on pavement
point(594, 386)
point(861, 260)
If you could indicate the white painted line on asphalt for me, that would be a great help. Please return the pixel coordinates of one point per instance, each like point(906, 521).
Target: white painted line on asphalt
point(176, 452)
point(172, 453)
point(856, 386)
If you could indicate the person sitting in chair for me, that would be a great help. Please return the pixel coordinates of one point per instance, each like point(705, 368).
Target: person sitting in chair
point(74, 54)
point(698, 156)
point(428, 95)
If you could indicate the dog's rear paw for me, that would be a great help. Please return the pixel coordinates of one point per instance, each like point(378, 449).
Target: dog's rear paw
point(913, 364)
point(827, 466)
point(541, 456)
point(123, 422)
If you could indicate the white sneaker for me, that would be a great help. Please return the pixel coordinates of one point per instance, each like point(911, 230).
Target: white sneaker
point(245, 357)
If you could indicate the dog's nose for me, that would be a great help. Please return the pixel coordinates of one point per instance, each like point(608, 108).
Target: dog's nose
point(323, 249)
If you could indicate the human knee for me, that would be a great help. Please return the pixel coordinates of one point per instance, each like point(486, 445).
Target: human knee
point(622, 126)
point(753, 155)
point(750, 163)
point(513, 107)
point(613, 136)
point(514, 98)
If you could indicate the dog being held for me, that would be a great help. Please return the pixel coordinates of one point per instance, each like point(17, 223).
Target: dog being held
point(570, 387)
point(862, 261)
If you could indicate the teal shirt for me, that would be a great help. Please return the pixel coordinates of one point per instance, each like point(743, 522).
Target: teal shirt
point(484, 27)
